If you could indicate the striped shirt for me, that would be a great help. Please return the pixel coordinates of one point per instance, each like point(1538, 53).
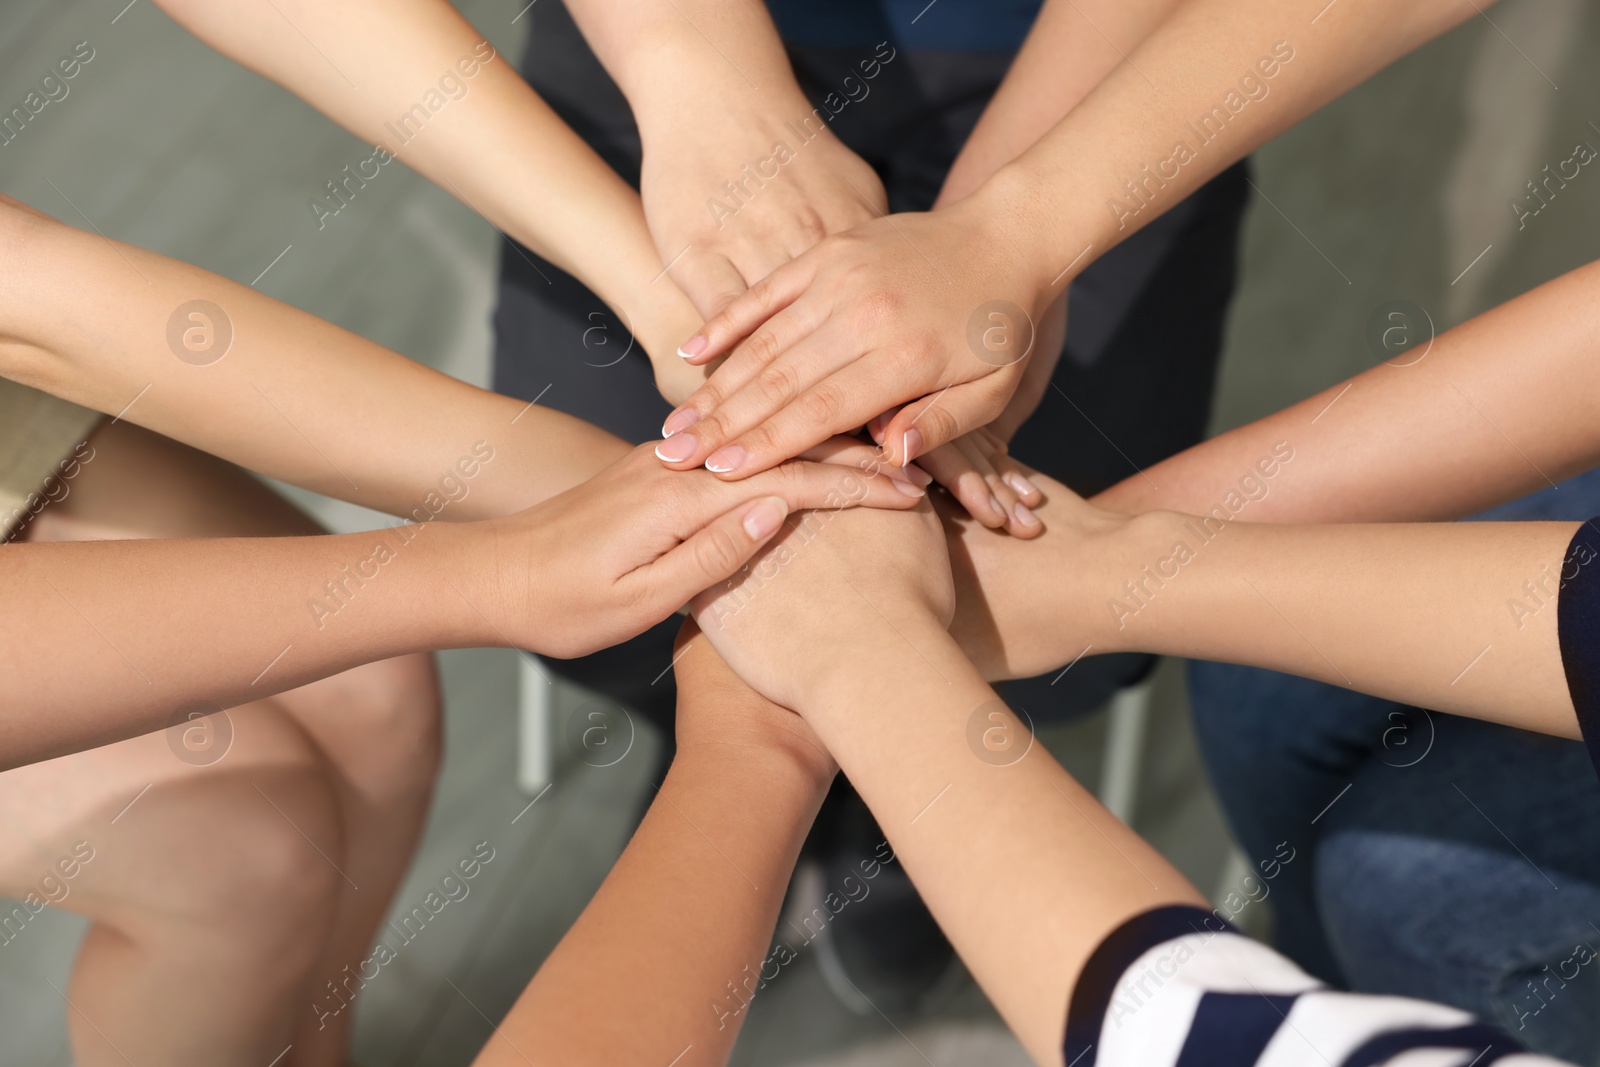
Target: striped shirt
point(1178, 987)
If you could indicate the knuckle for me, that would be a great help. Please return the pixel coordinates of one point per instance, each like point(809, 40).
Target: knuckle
point(761, 347)
point(810, 225)
point(778, 385)
point(878, 306)
point(716, 553)
point(822, 406)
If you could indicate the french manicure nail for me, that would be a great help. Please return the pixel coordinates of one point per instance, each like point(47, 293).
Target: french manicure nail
point(1019, 484)
point(918, 475)
point(693, 346)
point(908, 489)
point(764, 517)
point(725, 460)
point(1023, 516)
point(677, 449)
point(994, 502)
point(912, 445)
point(679, 421)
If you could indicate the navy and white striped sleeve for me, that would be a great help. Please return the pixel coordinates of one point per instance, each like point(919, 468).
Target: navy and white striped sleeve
point(1578, 625)
point(1178, 987)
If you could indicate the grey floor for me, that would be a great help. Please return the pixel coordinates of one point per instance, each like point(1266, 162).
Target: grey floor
point(1400, 190)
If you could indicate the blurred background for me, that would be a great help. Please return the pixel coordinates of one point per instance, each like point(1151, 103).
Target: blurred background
point(1400, 191)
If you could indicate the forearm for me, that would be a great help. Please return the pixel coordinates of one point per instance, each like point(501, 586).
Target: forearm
point(1214, 81)
point(269, 387)
point(1072, 46)
point(662, 963)
point(418, 81)
point(104, 640)
point(662, 54)
point(1497, 407)
point(1454, 617)
point(1024, 870)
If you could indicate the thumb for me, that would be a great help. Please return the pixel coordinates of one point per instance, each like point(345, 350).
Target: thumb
point(709, 280)
point(924, 425)
point(715, 553)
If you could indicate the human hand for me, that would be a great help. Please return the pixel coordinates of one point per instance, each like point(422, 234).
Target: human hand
point(933, 311)
point(1027, 607)
point(1036, 373)
point(719, 713)
point(609, 558)
point(730, 201)
point(978, 470)
point(837, 585)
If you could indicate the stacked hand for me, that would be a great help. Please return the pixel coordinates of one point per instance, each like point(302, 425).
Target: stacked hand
point(937, 312)
point(611, 557)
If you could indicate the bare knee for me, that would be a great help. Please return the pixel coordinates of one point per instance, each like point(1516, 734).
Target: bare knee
point(251, 879)
point(379, 724)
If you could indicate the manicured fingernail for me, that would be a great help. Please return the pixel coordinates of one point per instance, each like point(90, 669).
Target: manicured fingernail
point(1023, 516)
point(994, 502)
point(764, 517)
point(725, 460)
point(918, 475)
point(677, 449)
point(693, 346)
point(1020, 484)
point(679, 421)
point(912, 445)
point(908, 489)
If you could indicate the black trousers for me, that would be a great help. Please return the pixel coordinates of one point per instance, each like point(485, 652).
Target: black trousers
point(1134, 383)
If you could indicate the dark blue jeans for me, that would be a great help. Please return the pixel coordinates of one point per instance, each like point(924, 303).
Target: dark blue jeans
point(1437, 857)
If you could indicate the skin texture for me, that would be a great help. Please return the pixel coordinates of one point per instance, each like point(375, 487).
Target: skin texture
point(1403, 611)
point(1496, 408)
point(712, 90)
point(582, 571)
point(494, 144)
point(647, 973)
point(879, 316)
point(1422, 614)
point(872, 619)
point(197, 873)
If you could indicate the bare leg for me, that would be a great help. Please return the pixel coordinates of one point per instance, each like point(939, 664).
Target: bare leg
point(370, 738)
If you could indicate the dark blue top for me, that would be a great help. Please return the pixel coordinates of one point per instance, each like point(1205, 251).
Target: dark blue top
point(950, 25)
point(1578, 624)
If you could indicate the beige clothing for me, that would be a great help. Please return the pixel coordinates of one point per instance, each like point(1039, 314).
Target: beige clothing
point(38, 436)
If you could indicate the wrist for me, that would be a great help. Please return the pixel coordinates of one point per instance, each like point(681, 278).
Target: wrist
point(1133, 564)
point(858, 662)
point(1046, 248)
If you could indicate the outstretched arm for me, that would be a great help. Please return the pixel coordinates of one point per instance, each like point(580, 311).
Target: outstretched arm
point(1455, 617)
point(904, 309)
point(239, 619)
point(225, 369)
point(1023, 869)
point(418, 81)
point(1500, 406)
point(661, 965)
point(1083, 937)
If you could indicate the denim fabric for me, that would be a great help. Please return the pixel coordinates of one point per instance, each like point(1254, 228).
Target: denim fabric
point(1437, 857)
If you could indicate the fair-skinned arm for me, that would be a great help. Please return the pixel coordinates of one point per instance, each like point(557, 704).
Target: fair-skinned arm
point(1496, 408)
point(888, 313)
point(711, 88)
point(491, 141)
point(1023, 869)
point(102, 640)
point(277, 390)
point(686, 915)
point(1423, 613)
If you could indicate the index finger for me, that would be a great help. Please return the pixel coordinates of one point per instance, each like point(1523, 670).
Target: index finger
point(747, 311)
